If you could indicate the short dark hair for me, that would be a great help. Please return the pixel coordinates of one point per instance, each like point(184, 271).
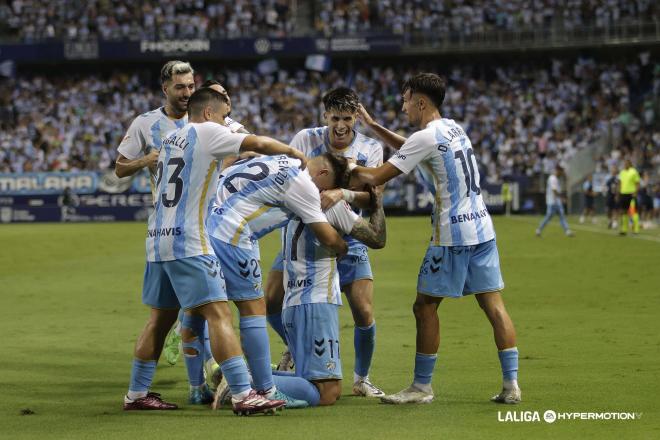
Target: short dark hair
point(174, 67)
point(341, 99)
point(428, 84)
point(339, 166)
point(204, 97)
point(211, 82)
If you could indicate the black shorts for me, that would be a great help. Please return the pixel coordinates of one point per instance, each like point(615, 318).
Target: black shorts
point(589, 202)
point(624, 201)
point(611, 202)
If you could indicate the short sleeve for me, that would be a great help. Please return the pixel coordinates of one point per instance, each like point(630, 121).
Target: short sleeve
point(342, 217)
point(303, 199)
point(298, 142)
point(218, 140)
point(234, 126)
point(416, 148)
point(133, 144)
point(375, 158)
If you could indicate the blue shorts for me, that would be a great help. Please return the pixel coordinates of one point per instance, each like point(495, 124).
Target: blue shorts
point(278, 263)
point(312, 334)
point(455, 271)
point(241, 269)
point(354, 266)
point(185, 283)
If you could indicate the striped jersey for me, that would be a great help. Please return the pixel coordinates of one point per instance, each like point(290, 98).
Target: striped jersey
point(186, 175)
point(364, 150)
point(256, 195)
point(444, 153)
point(310, 269)
point(148, 131)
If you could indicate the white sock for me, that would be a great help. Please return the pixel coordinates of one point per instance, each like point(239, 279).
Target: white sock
point(357, 378)
point(424, 387)
point(510, 384)
point(177, 329)
point(268, 394)
point(195, 387)
point(134, 395)
point(240, 396)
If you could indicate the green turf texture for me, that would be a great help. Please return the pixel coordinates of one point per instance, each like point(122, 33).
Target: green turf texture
point(585, 309)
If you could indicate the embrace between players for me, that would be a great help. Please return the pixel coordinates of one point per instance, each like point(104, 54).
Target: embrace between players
point(218, 189)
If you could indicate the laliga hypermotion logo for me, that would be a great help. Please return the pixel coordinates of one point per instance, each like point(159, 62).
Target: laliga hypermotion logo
point(550, 416)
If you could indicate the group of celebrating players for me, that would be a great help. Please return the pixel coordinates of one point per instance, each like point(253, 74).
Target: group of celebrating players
point(218, 189)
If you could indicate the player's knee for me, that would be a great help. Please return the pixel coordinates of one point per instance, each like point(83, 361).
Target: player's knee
point(363, 313)
point(421, 310)
point(330, 394)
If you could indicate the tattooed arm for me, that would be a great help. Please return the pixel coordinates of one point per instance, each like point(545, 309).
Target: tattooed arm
point(374, 233)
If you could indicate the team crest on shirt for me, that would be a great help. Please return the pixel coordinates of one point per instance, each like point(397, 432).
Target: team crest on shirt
point(330, 365)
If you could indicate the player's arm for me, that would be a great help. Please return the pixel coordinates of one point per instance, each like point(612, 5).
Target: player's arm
point(132, 146)
point(126, 167)
point(373, 233)
point(270, 146)
point(372, 176)
point(389, 137)
point(328, 236)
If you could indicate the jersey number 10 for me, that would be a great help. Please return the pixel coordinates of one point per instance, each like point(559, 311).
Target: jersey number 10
point(467, 163)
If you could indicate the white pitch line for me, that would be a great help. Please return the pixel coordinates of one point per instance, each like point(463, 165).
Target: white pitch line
point(593, 229)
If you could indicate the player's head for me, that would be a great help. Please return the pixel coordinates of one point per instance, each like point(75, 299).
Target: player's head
point(627, 164)
point(422, 94)
point(176, 78)
point(207, 104)
point(328, 171)
point(614, 170)
point(215, 85)
point(341, 105)
point(559, 170)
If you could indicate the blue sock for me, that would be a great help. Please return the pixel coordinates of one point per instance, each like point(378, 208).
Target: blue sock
point(424, 365)
point(275, 321)
point(208, 354)
point(235, 371)
point(364, 340)
point(298, 388)
point(509, 363)
point(284, 373)
point(254, 340)
point(194, 362)
point(142, 374)
point(181, 315)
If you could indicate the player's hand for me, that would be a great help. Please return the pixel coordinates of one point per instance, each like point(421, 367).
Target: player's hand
point(297, 154)
point(151, 159)
point(330, 197)
point(364, 116)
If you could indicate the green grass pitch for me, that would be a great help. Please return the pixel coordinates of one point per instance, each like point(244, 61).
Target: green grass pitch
point(585, 309)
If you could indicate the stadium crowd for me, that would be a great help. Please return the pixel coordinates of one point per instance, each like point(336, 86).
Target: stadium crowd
point(524, 120)
point(464, 17)
point(35, 20)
